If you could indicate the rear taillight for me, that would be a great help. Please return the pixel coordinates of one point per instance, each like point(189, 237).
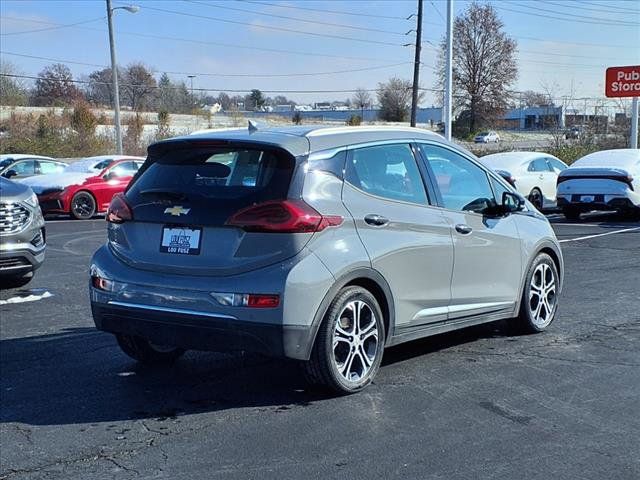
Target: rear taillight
point(119, 210)
point(282, 216)
point(251, 300)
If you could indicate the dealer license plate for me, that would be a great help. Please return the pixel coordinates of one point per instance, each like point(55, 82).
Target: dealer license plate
point(181, 240)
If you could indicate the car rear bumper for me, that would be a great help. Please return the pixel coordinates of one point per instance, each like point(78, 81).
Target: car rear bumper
point(599, 202)
point(180, 310)
point(200, 330)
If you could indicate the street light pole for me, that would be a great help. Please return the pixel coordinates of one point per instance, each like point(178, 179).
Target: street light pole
point(114, 72)
point(448, 72)
point(114, 81)
point(634, 123)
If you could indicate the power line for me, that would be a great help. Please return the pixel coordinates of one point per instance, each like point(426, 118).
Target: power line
point(573, 15)
point(268, 27)
point(339, 12)
point(582, 7)
point(437, 10)
point(52, 28)
point(233, 75)
point(217, 44)
point(614, 7)
point(571, 20)
point(340, 25)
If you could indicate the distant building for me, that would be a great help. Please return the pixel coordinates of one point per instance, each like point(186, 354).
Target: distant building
point(532, 118)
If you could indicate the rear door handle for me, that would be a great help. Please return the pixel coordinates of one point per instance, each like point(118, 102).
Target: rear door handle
point(376, 220)
point(463, 229)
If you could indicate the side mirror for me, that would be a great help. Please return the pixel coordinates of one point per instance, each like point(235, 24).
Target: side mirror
point(512, 202)
point(10, 173)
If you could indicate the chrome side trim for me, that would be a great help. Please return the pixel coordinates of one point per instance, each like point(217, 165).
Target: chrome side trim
point(170, 310)
point(437, 311)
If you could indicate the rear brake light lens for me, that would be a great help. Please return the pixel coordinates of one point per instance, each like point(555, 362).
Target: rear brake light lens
point(282, 216)
point(251, 300)
point(262, 301)
point(119, 210)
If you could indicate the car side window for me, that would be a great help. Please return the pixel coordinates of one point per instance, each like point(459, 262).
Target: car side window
point(24, 167)
point(463, 185)
point(498, 189)
point(388, 171)
point(556, 165)
point(49, 167)
point(103, 164)
point(538, 165)
point(124, 169)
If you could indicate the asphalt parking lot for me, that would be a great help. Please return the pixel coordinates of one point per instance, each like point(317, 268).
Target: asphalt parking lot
point(478, 403)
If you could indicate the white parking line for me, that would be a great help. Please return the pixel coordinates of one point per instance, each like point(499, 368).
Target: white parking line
point(599, 235)
point(26, 298)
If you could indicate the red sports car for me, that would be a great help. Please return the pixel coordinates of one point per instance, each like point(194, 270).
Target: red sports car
point(85, 187)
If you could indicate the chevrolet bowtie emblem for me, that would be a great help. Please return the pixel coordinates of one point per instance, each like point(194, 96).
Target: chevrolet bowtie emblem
point(177, 210)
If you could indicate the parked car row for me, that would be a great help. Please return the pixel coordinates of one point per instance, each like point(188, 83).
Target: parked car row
point(86, 187)
point(18, 166)
point(606, 180)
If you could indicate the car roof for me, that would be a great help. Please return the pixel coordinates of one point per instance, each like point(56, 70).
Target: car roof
point(301, 140)
point(624, 157)
point(20, 156)
point(510, 159)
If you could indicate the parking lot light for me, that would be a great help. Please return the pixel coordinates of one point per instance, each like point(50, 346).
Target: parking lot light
point(114, 70)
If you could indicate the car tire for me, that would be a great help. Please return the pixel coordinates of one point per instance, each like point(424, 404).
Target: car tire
point(146, 352)
point(347, 353)
point(571, 213)
point(540, 294)
point(83, 206)
point(536, 198)
point(15, 281)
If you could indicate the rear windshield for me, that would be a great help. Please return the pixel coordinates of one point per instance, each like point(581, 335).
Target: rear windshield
point(219, 174)
point(213, 182)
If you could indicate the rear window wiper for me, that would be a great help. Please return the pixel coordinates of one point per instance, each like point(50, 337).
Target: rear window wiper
point(164, 194)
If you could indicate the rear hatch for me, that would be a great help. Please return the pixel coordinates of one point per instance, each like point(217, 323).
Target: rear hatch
point(594, 180)
point(184, 205)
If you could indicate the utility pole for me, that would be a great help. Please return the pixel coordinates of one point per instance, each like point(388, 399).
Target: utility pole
point(448, 84)
point(193, 103)
point(416, 67)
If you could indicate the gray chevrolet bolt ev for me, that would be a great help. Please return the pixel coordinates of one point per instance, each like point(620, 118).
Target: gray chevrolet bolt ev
point(324, 245)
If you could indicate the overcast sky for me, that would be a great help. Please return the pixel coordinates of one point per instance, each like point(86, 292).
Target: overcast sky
point(563, 44)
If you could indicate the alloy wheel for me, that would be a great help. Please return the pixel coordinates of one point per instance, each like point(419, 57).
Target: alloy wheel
point(542, 295)
point(355, 340)
point(83, 206)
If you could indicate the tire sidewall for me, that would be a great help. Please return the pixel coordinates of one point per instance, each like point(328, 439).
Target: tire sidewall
point(525, 310)
point(83, 217)
point(538, 192)
point(345, 296)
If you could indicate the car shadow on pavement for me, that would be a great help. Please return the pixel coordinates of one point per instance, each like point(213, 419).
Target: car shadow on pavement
point(80, 375)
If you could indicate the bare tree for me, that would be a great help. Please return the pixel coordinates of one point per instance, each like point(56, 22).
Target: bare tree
point(54, 86)
point(12, 89)
point(361, 99)
point(484, 64)
point(394, 98)
point(99, 90)
point(534, 99)
point(138, 86)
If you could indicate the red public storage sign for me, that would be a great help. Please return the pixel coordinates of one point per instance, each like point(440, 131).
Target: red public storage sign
point(623, 81)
